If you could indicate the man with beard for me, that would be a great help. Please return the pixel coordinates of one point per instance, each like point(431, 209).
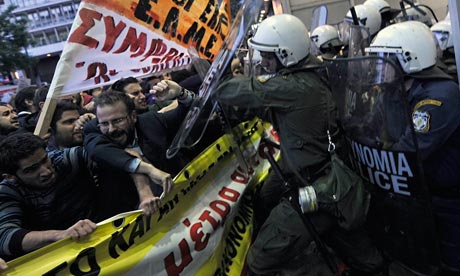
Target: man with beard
point(41, 191)
point(131, 87)
point(121, 142)
point(8, 119)
point(64, 130)
point(67, 131)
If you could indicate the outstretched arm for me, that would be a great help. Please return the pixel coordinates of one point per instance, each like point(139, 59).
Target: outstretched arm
point(148, 202)
point(37, 239)
point(157, 176)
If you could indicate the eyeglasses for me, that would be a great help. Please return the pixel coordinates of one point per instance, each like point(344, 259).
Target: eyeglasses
point(115, 123)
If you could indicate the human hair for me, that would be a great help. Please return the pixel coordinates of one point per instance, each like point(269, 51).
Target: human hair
point(24, 94)
point(111, 97)
point(90, 91)
point(120, 84)
point(17, 147)
point(40, 96)
point(62, 107)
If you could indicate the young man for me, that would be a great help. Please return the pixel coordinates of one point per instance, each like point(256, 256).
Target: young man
point(65, 130)
point(47, 199)
point(132, 87)
point(24, 102)
point(8, 119)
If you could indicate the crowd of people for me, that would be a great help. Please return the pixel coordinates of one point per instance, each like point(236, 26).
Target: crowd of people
point(109, 144)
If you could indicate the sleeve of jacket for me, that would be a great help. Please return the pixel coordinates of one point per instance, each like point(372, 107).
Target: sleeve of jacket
point(172, 119)
point(434, 117)
point(272, 91)
point(103, 151)
point(11, 231)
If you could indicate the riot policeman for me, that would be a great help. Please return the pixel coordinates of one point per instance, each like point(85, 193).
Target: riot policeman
point(446, 54)
point(326, 40)
point(296, 100)
point(434, 99)
point(356, 33)
point(417, 12)
point(385, 10)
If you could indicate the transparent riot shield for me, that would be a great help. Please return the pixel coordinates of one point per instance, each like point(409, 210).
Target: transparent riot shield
point(202, 108)
point(319, 17)
point(382, 147)
point(355, 37)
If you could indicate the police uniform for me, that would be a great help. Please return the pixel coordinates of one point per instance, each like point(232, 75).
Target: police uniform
point(298, 104)
point(436, 118)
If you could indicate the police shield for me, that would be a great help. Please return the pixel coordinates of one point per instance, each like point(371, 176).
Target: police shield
point(382, 148)
point(355, 37)
point(203, 110)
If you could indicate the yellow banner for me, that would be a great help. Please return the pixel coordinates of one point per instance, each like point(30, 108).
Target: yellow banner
point(202, 228)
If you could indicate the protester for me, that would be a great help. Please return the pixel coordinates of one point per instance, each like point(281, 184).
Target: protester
point(67, 126)
point(120, 140)
point(29, 121)
point(23, 102)
point(8, 119)
point(133, 89)
point(48, 199)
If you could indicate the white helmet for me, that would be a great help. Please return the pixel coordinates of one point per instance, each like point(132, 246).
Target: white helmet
point(325, 36)
point(443, 33)
point(411, 42)
point(368, 16)
point(285, 35)
point(415, 15)
point(381, 5)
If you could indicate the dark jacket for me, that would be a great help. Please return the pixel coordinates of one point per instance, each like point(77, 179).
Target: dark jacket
point(155, 133)
point(296, 103)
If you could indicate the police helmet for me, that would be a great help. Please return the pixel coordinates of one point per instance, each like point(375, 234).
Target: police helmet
point(411, 43)
point(285, 35)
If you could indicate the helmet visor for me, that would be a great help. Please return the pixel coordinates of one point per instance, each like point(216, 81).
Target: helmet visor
point(383, 71)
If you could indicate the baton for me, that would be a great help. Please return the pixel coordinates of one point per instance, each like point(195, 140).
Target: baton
point(305, 219)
